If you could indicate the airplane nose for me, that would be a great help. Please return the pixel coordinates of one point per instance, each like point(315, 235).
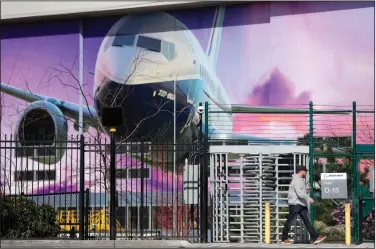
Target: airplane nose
point(136, 102)
point(118, 63)
point(146, 115)
point(131, 65)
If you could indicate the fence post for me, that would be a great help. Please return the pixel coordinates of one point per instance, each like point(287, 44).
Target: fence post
point(142, 190)
point(82, 187)
point(360, 220)
point(348, 224)
point(311, 159)
point(112, 187)
point(206, 173)
point(202, 169)
point(355, 177)
point(87, 223)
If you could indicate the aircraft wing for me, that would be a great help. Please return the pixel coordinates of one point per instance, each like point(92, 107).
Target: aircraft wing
point(69, 109)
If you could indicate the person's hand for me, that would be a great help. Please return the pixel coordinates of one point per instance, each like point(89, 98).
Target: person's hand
point(311, 200)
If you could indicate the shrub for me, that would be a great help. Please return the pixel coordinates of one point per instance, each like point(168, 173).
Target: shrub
point(22, 218)
point(368, 224)
point(320, 226)
point(323, 209)
point(335, 231)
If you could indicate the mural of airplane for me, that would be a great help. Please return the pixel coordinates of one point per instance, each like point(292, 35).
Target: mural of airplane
point(150, 65)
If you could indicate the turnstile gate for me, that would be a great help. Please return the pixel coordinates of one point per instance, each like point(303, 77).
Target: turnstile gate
point(241, 184)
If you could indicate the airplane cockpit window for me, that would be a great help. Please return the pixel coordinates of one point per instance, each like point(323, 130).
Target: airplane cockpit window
point(171, 49)
point(123, 40)
point(156, 45)
point(149, 43)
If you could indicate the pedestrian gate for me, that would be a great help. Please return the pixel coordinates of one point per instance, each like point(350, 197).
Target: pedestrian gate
point(242, 179)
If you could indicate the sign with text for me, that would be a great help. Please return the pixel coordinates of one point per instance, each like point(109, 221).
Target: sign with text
point(333, 185)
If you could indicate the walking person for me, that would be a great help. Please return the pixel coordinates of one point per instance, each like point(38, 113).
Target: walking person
point(299, 200)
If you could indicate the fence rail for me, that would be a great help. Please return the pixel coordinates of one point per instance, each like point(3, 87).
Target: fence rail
point(64, 185)
point(340, 139)
point(152, 197)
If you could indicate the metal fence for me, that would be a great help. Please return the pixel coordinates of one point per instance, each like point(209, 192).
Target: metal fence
point(337, 139)
point(155, 197)
point(260, 167)
point(161, 193)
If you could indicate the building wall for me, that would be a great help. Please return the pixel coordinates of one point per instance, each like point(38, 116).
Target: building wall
point(37, 9)
point(269, 54)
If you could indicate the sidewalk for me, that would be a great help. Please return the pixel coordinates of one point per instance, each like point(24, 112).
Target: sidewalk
point(155, 244)
point(278, 245)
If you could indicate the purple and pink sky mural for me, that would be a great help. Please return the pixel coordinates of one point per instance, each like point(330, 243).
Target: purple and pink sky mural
point(279, 54)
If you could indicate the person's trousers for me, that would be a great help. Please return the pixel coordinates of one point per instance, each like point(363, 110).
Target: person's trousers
point(294, 211)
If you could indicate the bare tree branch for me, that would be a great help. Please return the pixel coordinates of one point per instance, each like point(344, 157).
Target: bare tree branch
point(99, 168)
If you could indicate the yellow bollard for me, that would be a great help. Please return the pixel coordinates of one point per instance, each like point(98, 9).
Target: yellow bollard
point(348, 223)
point(267, 223)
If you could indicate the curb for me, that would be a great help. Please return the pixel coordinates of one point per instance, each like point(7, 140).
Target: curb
point(95, 244)
point(155, 244)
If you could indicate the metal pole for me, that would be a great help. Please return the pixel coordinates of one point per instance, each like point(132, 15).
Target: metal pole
point(354, 154)
point(260, 159)
point(277, 223)
point(205, 169)
point(348, 223)
point(202, 169)
point(241, 200)
point(205, 187)
point(311, 159)
point(112, 188)
point(360, 220)
point(174, 173)
point(267, 223)
point(82, 188)
point(355, 177)
point(87, 221)
point(81, 77)
point(142, 191)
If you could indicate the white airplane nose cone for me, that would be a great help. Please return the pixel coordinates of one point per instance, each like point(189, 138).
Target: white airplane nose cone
point(118, 63)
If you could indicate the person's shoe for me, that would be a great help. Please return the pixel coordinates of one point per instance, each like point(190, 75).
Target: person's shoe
point(286, 241)
point(319, 240)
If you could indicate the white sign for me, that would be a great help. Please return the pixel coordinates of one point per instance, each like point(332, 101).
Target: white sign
point(333, 176)
point(334, 186)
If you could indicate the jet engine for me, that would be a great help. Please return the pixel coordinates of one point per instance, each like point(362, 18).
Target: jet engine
point(42, 133)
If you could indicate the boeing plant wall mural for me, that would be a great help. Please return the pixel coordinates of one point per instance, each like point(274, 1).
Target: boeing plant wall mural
point(256, 54)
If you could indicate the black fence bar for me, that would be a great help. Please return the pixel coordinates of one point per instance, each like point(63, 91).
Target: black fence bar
point(82, 208)
point(112, 188)
point(71, 178)
point(360, 220)
point(141, 216)
point(87, 219)
point(156, 199)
